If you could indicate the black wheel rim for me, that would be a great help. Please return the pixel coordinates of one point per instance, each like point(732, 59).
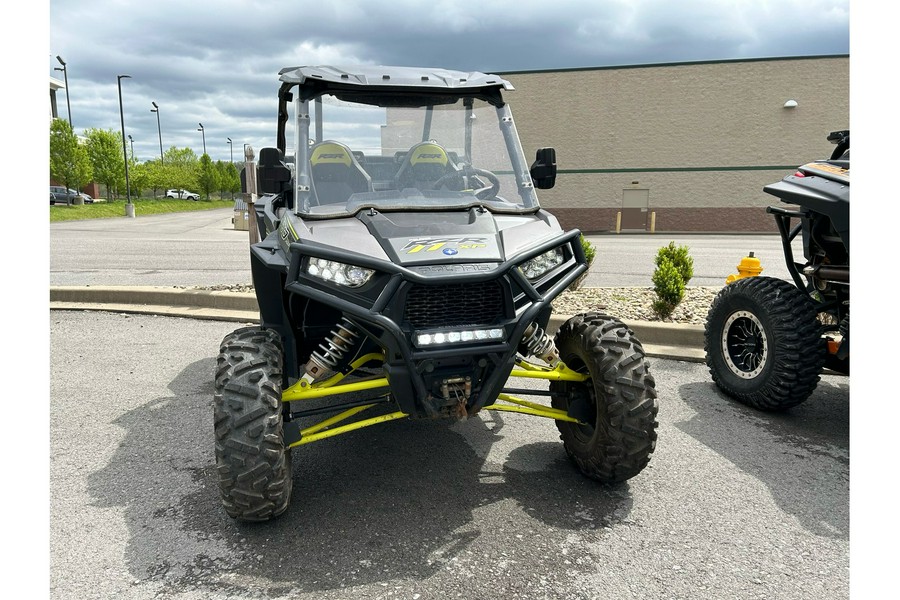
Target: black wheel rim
point(582, 403)
point(745, 345)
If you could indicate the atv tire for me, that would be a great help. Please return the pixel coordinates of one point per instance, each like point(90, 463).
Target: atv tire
point(617, 404)
point(254, 467)
point(763, 343)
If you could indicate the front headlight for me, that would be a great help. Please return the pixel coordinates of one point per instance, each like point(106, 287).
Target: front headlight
point(335, 272)
point(537, 266)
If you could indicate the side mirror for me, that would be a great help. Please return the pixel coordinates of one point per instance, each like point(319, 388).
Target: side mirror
point(543, 170)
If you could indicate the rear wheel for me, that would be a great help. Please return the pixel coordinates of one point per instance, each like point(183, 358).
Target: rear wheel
point(254, 467)
point(617, 405)
point(763, 343)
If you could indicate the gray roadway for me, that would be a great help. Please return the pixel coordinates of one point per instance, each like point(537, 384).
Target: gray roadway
point(734, 504)
point(203, 248)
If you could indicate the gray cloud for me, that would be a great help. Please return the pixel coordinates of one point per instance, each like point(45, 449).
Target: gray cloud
point(217, 62)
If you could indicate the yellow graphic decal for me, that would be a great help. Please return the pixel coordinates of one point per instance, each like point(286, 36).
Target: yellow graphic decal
point(429, 153)
point(828, 168)
point(329, 153)
point(449, 245)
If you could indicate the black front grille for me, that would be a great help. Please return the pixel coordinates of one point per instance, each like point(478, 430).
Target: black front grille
point(431, 306)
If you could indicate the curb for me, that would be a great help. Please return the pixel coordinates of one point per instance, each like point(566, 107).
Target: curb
point(662, 340)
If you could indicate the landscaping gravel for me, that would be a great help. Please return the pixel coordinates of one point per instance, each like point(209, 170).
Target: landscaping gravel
point(628, 303)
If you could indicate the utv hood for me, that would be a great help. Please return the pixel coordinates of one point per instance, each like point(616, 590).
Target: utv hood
point(413, 239)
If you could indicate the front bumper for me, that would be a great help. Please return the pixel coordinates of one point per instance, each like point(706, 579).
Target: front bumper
point(441, 380)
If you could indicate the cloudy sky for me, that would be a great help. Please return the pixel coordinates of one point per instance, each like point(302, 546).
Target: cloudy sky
point(216, 63)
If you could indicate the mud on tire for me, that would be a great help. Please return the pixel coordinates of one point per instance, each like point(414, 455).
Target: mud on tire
point(254, 467)
point(763, 343)
point(618, 402)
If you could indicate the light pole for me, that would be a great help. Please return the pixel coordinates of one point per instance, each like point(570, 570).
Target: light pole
point(129, 207)
point(66, 79)
point(155, 109)
point(203, 133)
point(131, 140)
point(231, 150)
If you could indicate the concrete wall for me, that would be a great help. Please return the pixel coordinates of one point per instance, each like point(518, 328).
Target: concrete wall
point(704, 138)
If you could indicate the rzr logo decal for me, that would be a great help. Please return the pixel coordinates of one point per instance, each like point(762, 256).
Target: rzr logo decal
point(449, 245)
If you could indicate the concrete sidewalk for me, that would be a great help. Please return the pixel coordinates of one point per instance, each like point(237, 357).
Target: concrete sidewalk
point(664, 340)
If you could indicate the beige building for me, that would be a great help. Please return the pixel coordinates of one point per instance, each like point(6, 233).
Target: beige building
point(682, 146)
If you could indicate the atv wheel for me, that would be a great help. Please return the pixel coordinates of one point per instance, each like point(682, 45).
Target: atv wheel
point(253, 464)
point(763, 343)
point(617, 404)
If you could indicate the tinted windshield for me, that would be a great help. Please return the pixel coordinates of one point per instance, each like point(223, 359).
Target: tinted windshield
point(450, 155)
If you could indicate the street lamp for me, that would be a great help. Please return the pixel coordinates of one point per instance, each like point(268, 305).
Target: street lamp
point(66, 79)
point(129, 207)
point(203, 133)
point(131, 139)
point(231, 149)
point(155, 109)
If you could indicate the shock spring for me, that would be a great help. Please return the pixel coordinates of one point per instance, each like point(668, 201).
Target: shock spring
point(536, 342)
point(342, 340)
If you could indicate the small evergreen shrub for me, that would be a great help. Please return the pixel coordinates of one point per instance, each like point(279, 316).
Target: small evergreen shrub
point(674, 269)
point(680, 258)
point(589, 250)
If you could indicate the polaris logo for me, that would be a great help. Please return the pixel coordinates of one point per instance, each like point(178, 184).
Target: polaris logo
point(449, 269)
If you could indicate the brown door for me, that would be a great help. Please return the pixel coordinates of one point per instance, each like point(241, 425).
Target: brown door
point(635, 208)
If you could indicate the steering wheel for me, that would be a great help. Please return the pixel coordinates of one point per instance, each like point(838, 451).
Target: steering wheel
point(485, 192)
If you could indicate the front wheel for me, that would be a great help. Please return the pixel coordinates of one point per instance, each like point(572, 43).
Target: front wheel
point(253, 465)
point(763, 343)
point(617, 405)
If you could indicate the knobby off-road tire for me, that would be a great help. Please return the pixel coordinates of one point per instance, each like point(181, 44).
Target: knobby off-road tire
point(618, 403)
point(763, 343)
point(254, 467)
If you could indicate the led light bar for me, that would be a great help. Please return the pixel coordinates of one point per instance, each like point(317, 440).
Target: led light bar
point(335, 272)
point(458, 336)
point(537, 266)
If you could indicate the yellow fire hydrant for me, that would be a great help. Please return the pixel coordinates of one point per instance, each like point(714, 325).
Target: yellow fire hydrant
point(749, 267)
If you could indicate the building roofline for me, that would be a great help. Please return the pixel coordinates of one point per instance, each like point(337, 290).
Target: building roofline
point(676, 64)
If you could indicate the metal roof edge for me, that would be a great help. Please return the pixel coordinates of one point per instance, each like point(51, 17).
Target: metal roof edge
point(674, 64)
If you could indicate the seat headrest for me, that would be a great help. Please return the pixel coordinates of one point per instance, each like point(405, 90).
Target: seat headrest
point(331, 153)
point(270, 157)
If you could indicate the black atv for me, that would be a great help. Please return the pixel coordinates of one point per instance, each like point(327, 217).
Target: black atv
point(768, 340)
point(405, 270)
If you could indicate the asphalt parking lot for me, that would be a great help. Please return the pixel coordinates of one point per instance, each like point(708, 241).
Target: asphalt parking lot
point(734, 503)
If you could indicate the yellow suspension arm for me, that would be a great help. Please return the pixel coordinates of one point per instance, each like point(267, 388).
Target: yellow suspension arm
point(329, 387)
point(530, 408)
point(558, 373)
point(320, 431)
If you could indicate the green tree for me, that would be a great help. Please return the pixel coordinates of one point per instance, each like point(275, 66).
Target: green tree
point(69, 163)
point(207, 178)
point(181, 168)
point(104, 147)
point(139, 178)
point(232, 179)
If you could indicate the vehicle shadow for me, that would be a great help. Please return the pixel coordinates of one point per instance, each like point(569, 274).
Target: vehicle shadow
point(401, 500)
point(802, 454)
